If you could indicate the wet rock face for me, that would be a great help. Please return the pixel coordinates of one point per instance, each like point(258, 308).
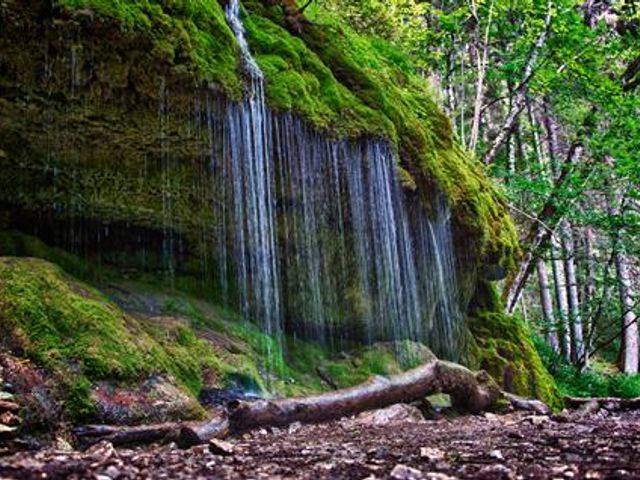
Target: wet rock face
point(125, 165)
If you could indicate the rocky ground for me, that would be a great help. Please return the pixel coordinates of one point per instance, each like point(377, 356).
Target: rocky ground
point(517, 445)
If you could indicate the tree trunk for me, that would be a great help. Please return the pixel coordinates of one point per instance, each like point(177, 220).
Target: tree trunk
point(469, 391)
point(562, 299)
point(629, 326)
point(539, 233)
point(481, 61)
point(547, 306)
point(590, 291)
point(575, 318)
point(629, 344)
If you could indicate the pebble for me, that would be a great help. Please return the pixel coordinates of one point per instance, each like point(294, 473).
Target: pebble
point(432, 454)
point(437, 476)
point(6, 396)
point(220, 447)
point(497, 454)
point(403, 472)
point(496, 472)
point(112, 472)
point(102, 450)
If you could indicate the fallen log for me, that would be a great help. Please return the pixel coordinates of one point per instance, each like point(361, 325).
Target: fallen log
point(120, 435)
point(469, 391)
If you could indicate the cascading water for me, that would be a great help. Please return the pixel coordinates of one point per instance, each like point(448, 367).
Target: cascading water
point(317, 236)
point(248, 127)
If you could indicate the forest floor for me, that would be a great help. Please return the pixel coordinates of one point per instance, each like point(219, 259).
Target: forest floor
point(515, 445)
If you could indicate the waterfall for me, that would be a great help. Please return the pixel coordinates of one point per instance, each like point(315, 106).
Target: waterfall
point(304, 234)
point(248, 127)
point(317, 237)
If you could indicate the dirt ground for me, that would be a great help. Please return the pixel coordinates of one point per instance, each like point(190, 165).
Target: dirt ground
point(517, 445)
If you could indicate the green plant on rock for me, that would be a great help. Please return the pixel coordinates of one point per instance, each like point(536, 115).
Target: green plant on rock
point(502, 345)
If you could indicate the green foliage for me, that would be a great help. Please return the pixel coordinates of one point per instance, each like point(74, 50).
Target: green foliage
point(598, 380)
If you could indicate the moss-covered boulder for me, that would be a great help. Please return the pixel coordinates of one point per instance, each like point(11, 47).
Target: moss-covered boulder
point(503, 346)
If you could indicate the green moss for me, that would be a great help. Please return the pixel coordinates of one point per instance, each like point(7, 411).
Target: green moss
point(189, 35)
point(503, 346)
point(80, 337)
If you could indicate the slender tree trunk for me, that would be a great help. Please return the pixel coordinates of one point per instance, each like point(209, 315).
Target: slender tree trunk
point(546, 302)
point(542, 228)
point(629, 344)
point(562, 299)
point(481, 60)
point(575, 318)
point(629, 326)
point(590, 291)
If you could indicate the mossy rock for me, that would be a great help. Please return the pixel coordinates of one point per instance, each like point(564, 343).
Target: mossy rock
point(100, 354)
point(502, 345)
point(81, 338)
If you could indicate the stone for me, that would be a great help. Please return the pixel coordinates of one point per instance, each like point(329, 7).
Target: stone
point(403, 472)
point(439, 401)
point(496, 472)
point(400, 412)
point(437, 476)
point(220, 447)
point(6, 405)
point(432, 454)
point(6, 396)
point(497, 454)
point(6, 432)
point(537, 420)
point(112, 471)
point(10, 419)
point(61, 445)
point(294, 427)
point(102, 450)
